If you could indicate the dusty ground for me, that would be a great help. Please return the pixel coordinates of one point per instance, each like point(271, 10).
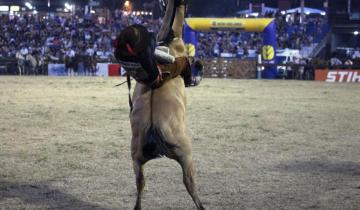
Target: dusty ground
point(64, 144)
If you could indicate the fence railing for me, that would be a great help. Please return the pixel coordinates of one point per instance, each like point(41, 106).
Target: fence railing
point(8, 66)
point(229, 68)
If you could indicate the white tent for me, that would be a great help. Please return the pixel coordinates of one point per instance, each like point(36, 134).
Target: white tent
point(307, 10)
point(269, 9)
point(249, 12)
point(244, 12)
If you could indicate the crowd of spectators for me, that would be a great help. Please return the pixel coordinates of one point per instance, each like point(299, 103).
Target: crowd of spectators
point(54, 38)
point(60, 36)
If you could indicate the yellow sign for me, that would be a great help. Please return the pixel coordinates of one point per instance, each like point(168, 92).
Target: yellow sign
point(190, 50)
point(268, 52)
point(242, 24)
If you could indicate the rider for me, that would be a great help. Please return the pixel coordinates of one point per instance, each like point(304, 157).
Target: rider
point(135, 48)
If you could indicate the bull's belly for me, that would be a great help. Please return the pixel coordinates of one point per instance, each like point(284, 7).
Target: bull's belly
point(163, 108)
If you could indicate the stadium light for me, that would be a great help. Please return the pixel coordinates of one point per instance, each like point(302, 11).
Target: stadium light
point(307, 13)
point(283, 12)
point(356, 33)
point(127, 4)
point(67, 6)
point(323, 13)
point(28, 5)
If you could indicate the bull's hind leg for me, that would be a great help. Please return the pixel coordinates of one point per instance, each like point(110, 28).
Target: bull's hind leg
point(182, 154)
point(140, 182)
point(138, 165)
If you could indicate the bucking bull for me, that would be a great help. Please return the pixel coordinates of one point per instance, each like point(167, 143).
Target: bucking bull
point(161, 68)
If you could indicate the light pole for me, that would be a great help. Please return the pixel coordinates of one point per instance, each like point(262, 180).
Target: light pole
point(302, 5)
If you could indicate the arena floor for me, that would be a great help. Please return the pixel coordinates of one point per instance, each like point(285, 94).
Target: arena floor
point(64, 144)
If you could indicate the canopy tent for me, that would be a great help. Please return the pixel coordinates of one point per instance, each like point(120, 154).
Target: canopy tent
point(269, 9)
point(307, 10)
point(244, 12)
point(250, 12)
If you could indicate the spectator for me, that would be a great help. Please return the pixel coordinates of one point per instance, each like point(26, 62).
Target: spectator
point(334, 61)
point(348, 62)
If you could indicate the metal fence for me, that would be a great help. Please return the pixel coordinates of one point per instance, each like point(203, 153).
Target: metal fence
point(8, 66)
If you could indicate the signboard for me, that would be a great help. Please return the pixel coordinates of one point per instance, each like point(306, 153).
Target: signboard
point(102, 69)
point(15, 8)
point(4, 8)
point(114, 70)
point(337, 75)
point(56, 70)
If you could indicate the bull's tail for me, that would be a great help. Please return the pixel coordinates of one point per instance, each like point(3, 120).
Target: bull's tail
point(155, 145)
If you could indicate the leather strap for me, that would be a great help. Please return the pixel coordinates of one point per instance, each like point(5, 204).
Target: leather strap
point(128, 80)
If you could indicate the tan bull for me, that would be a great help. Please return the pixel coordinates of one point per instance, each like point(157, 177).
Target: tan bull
point(158, 119)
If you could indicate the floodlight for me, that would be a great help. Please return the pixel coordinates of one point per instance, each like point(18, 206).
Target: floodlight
point(67, 6)
point(28, 5)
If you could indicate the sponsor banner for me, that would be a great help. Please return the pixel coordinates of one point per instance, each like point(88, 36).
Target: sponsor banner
point(246, 24)
point(114, 70)
point(56, 70)
point(337, 75)
point(102, 69)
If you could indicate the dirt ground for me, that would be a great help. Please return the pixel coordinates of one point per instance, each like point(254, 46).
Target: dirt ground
point(64, 144)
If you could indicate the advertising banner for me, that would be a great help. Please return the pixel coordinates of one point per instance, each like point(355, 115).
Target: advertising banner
point(56, 70)
point(337, 75)
point(114, 70)
point(102, 69)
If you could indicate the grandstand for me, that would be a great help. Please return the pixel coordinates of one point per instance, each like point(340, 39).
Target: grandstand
point(272, 105)
point(50, 30)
